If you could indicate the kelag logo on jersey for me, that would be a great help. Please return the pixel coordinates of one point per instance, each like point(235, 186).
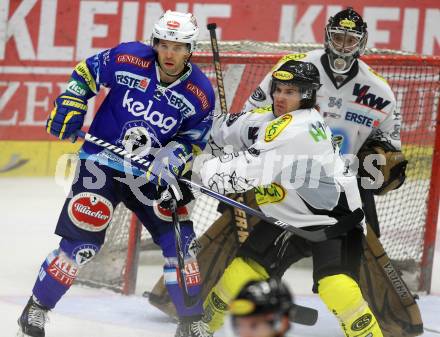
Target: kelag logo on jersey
point(361, 119)
point(132, 80)
point(154, 117)
point(368, 99)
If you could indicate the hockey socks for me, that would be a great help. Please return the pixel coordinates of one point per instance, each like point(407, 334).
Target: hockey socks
point(343, 298)
point(193, 281)
point(60, 269)
point(235, 277)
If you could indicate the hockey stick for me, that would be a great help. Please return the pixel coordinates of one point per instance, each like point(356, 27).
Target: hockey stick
point(187, 298)
point(218, 69)
point(343, 225)
point(242, 224)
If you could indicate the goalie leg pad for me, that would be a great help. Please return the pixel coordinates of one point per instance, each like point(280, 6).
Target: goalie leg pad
point(60, 269)
point(386, 292)
point(236, 276)
point(192, 272)
point(343, 298)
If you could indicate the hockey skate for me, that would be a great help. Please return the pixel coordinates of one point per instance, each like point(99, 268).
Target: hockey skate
point(193, 329)
point(32, 319)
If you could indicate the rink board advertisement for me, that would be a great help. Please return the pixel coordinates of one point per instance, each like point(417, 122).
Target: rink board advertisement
point(42, 40)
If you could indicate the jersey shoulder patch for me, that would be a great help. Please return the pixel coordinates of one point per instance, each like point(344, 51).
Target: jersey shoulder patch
point(263, 110)
point(198, 86)
point(136, 56)
point(137, 48)
point(274, 128)
point(289, 57)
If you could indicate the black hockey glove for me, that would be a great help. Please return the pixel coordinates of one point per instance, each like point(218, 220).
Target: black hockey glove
point(181, 193)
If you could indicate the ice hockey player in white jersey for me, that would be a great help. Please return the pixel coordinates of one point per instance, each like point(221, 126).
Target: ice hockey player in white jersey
point(285, 151)
point(357, 103)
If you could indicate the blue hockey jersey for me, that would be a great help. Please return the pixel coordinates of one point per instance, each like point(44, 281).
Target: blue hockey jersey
point(138, 110)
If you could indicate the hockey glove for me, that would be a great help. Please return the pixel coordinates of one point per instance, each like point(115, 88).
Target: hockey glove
point(67, 117)
point(393, 170)
point(169, 163)
point(181, 193)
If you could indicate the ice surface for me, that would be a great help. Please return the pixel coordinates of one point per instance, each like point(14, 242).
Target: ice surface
point(29, 209)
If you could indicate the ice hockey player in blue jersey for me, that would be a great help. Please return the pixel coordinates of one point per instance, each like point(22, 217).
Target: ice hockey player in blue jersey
point(159, 105)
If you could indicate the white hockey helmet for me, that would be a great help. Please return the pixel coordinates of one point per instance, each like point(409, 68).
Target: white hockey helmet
point(178, 27)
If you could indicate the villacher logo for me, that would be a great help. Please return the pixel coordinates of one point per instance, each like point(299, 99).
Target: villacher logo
point(90, 211)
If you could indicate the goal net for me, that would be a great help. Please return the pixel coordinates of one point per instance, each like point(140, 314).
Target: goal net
point(407, 216)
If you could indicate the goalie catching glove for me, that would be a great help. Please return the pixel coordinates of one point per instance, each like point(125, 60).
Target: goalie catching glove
point(393, 169)
point(67, 117)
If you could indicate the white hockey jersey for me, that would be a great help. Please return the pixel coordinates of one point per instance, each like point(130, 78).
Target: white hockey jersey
point(361, 106)
point(291, 161)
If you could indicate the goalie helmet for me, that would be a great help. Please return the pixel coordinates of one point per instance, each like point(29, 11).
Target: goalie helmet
point(178, 27)
point(345, 39)
point(304, 75)
point(261, 297)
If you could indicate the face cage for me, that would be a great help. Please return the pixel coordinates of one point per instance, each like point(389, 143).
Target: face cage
point(340, 62)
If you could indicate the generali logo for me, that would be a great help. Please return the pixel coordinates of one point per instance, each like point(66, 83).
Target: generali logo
point(133, 60)
point(199, 94)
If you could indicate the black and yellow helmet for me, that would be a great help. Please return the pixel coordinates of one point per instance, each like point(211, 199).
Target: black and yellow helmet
point(304, 75)
point(349, 27)
point(261, 297)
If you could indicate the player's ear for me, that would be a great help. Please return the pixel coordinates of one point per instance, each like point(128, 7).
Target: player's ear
point(285, 324)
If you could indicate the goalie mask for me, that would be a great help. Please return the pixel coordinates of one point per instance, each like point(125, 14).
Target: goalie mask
point(303, 75)
point(345, 39)
point(177, 27)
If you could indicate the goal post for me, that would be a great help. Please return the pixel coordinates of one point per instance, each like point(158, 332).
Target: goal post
point(432, 216)
point(407, 216)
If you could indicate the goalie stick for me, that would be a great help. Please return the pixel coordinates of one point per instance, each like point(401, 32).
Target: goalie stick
point(343, 225)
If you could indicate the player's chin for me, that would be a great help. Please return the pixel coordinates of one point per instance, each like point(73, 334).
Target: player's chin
point(280, 110)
